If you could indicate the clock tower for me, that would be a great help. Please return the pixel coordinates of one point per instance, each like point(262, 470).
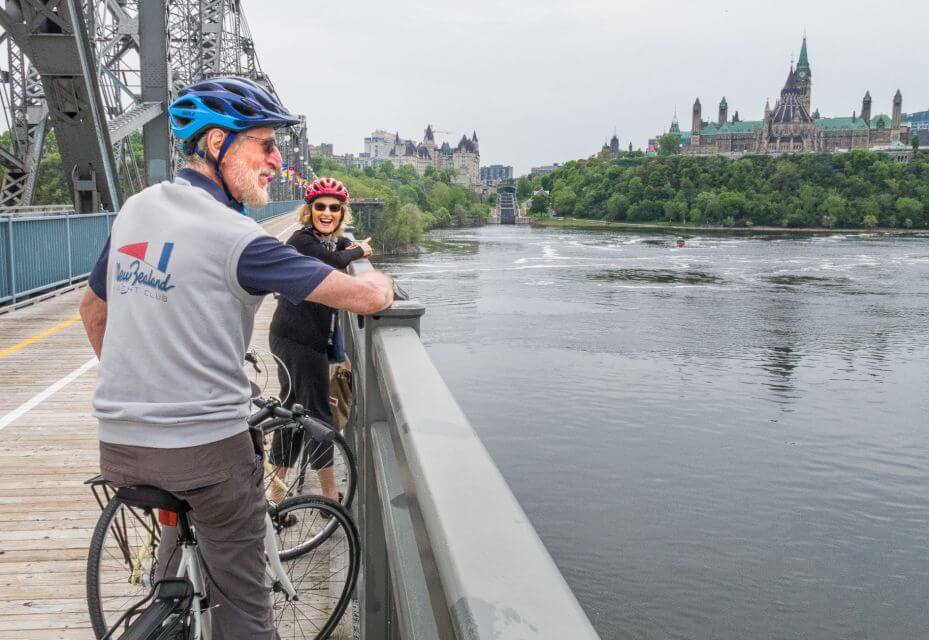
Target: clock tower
point(804, 76)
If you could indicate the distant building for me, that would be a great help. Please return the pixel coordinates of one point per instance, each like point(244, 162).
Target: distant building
point(610, 149)
point(919, 127)
point(378, 145)
point(464, 158)
point(323, 149)
point(792, 126)
point(538, 171)
point(496, 173)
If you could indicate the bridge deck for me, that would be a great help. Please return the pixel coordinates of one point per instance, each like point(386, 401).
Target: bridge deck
point(48, 448)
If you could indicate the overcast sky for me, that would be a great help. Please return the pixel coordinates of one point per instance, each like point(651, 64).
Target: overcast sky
point(547, 81)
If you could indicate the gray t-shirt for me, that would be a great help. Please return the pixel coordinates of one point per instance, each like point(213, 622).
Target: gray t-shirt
point(178, 320)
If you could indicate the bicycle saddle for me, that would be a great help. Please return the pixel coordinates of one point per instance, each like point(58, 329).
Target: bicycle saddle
point(146, 496)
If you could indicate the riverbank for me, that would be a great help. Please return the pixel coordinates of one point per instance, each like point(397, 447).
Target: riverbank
point(605, 225)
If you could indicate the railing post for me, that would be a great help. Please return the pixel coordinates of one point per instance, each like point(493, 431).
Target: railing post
point(68, 234)
point(374, 585)
point(10, 245)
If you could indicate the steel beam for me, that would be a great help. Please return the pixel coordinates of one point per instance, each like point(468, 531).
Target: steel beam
point(153, 21)
point(52, 34)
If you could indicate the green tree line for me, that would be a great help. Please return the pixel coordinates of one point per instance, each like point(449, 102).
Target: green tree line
point(859, 189)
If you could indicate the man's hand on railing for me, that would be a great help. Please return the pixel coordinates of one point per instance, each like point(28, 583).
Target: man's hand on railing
point(363, 294)
point(384, 284)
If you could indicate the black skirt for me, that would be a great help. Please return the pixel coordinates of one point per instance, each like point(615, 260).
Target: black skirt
point(309, 372)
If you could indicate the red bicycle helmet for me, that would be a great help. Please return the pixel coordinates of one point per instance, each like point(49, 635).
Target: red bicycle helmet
point(326, 187)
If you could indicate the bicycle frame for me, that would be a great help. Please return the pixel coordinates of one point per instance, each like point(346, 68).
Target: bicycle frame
point(190, 568)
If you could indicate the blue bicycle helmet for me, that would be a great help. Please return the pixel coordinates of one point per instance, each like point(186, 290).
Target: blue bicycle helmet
point(231, 103)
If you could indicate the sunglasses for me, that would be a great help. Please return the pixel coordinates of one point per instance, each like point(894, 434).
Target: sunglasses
point(322, 206)
point(269, 144)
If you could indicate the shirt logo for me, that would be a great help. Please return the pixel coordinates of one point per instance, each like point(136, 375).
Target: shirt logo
point(152, 278)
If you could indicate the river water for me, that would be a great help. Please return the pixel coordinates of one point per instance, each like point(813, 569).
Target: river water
point(727, 440)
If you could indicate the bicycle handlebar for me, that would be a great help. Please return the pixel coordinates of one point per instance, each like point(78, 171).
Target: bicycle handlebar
point(317, 429)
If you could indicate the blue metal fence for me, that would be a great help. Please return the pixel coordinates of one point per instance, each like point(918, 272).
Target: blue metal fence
point(44, 252)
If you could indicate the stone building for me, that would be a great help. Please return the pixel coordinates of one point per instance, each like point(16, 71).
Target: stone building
point(464, 158)
point(791, 126)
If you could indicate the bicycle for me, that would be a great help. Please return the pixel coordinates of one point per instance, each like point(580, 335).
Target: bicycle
point(123, 562)
point(296, 480)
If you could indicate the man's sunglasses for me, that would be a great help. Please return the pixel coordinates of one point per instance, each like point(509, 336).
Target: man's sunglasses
point(269, 144)
point(322, 206)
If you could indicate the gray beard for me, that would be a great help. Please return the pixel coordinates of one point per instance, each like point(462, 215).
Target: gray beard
point(246, 182)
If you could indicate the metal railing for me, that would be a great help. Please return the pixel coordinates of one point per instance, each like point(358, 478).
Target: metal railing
point(43, 252)
point(447, 550)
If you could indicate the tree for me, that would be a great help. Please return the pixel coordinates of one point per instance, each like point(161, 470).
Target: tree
point(616, 207)
point(386, 170)
point(406, 173)
point(523, 188)
point(669, 144)
point(910, 209)
point(540, 203)
point(915, 143)
point(676, 211)
point(563, 201)
point(833, 207)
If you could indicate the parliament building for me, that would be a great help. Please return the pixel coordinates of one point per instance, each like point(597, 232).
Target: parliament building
point(791, 126)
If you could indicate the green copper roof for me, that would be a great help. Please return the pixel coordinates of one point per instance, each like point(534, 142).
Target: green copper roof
point(841, 124)
point(742, 126)
point(878, 117)
point(803, 61)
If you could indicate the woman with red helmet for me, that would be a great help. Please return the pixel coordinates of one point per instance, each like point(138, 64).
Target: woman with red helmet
point(305, 336)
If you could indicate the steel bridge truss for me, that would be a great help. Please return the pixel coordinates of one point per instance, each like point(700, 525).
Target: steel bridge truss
point(98, 71)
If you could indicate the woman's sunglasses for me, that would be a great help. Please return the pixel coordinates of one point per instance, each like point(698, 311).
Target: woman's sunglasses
point(322, 206)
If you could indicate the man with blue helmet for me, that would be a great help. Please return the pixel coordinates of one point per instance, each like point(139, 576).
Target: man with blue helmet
point(170, 311)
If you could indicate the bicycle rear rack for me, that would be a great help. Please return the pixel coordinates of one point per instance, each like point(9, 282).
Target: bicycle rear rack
point(103, 491)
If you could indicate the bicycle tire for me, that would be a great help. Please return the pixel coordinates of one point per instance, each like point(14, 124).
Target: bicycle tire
point(107, 528)
point(343, 542)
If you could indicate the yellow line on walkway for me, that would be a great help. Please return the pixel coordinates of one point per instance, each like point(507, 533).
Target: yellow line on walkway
point(25, 343)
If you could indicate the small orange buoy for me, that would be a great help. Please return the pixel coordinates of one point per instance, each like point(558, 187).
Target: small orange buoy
point(680, 244)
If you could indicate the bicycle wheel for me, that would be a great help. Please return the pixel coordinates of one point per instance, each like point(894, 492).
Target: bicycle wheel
point(121, 562)
point(301, 479)
point(322, 573)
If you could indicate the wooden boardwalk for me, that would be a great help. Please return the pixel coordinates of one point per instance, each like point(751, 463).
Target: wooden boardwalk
point(48, 447)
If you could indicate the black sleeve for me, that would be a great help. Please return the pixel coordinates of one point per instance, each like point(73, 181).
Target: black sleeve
point(310, 246)
point(97, 279)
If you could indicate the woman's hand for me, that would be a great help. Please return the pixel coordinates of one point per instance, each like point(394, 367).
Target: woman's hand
point(366, 247)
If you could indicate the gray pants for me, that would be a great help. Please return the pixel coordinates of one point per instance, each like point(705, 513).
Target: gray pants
point(222, 483)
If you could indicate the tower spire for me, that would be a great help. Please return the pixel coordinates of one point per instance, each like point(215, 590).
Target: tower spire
point(804, 61)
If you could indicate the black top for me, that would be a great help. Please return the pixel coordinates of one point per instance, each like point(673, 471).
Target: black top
point(309, 323)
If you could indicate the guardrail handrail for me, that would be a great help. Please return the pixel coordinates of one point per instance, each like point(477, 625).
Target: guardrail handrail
point(448, 551)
